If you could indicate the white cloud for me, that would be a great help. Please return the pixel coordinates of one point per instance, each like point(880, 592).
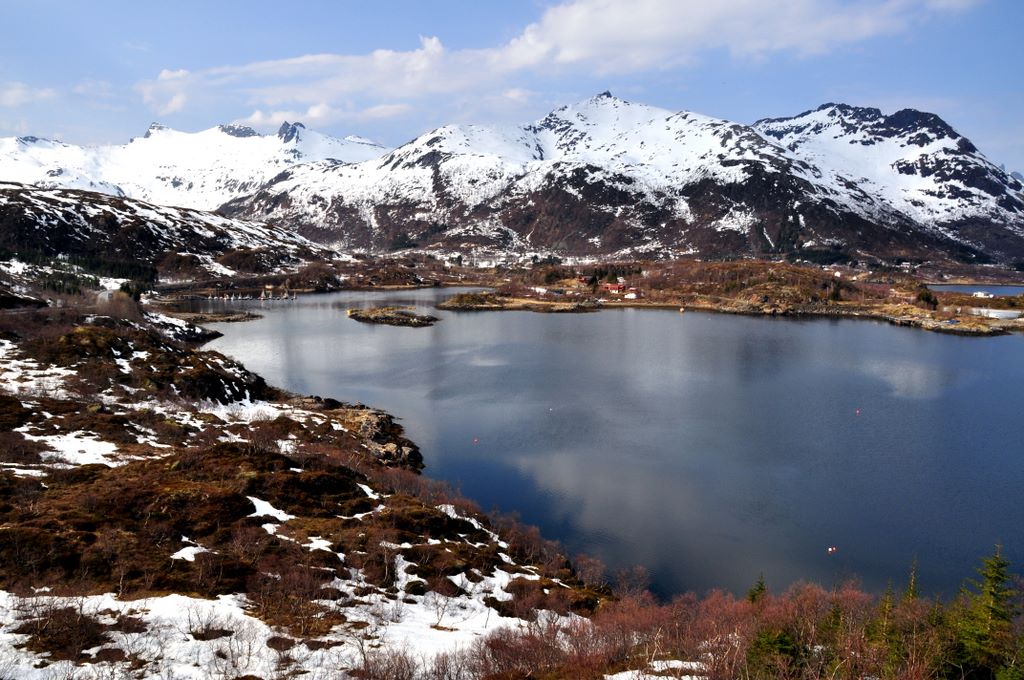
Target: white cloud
point(323, 114)
point(611, 36)
point(518, 95)
point(590, 36)
point(167, 74)
point(175, 103)
point(16, 94)
point(169, 92)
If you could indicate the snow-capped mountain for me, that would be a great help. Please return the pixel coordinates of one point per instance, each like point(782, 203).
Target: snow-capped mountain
point(603, 177)
point(193, 170)
point(609, 177)
point(178, 242)
point(909, 162)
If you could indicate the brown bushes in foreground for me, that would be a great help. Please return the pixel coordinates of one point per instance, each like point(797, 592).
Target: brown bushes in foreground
point(806, 632)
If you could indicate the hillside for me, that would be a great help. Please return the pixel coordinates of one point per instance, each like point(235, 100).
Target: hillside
point(166, 513)
point(610, 178)
point(602, 178)
point(128, 238)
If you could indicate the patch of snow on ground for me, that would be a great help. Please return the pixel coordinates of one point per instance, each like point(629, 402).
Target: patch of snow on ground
point(373, 495)
point(669, 668)
point(242, 411)
point(265, 509)
point(76, 448)
point(317, 543)
point(26, 377)
point(174, 645)
point(188, 553)
point(111, 284)
point(22, 472)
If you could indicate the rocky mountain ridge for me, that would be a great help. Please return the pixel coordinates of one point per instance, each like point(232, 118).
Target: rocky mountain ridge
point(609, 178)
point(602, 178)
point(118, 233)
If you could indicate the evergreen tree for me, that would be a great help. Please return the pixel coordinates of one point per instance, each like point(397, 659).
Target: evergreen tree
point(984, 623)
point(910, 593)
point(758, 591)
point(882, 627)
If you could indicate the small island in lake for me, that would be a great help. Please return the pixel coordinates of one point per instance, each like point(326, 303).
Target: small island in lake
point(392, 316)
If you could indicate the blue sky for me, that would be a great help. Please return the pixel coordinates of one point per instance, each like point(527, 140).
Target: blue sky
point(99, 72)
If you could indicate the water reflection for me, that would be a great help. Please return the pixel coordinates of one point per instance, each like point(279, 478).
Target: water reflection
point(709, 448)
point(909, 379)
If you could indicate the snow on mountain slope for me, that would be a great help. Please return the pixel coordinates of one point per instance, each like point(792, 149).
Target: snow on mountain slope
point(462, 174)
point(65, 222)
point(610, 177)
point(912, 160)
point(196, 170)
point(653, 146)
point(602, 177)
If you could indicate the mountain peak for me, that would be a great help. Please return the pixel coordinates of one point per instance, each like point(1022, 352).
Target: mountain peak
point(918, 128)
point(604, 98)
point(154, 127)
point(859, 112)
point(912, 119)
point(235, 130)
point(289, 131)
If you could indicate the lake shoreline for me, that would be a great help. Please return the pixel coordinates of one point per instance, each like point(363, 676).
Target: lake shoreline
point(461, 457)
point(907, 316)
point(897, 315)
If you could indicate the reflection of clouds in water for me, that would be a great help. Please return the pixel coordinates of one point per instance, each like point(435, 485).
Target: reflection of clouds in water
point(472, 356)
point(659, 518)
point(487, 362)
point(909, 379)
point(711, 448)
point(599, 496)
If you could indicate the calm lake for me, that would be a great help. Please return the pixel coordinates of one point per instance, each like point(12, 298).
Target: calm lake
point(999, 290)
point(707, 448)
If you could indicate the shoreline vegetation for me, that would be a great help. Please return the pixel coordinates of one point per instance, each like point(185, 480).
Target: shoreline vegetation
point(489, 301)
point(749, 287)
point(896, 314)
point(391, 316)
point(753, 288)
point(187, 443)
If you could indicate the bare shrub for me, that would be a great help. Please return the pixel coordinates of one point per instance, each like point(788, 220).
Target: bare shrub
point(14, 448)
point(390, 663)
point(238, 651)
point(454, 665)
point(284, 592)
point(590, 570)
point(248, 544)
point(204, 623)
point(61, 629)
